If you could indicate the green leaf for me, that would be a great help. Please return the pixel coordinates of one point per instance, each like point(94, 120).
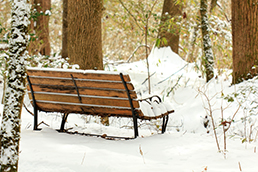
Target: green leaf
point(230, 99)
point(157, 43)
point(244, 140)
point(164, 41)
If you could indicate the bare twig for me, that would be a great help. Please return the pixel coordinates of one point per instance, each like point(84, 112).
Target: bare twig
point(172, 88)
point(135, 50)
point(42, 122)
point(27, 109)
point(239, 165)
point(256, 136)
point(232, 119)
point(131, 15)
point(210, 113)
point(83, 158)
point(223, 12)
point(141, 152)
point(154, 4)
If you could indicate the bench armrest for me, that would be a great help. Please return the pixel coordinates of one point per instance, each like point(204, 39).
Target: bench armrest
point(154, 107)
point(154, 98)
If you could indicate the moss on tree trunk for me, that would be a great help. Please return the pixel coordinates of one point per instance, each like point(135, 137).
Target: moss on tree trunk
point(207, 48)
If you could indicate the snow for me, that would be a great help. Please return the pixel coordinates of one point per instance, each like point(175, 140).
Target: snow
point(4, 46)
point(48, 12)
point(186, 146)
point(75, 70)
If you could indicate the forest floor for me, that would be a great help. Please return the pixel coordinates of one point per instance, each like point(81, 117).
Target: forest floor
point(187, 146)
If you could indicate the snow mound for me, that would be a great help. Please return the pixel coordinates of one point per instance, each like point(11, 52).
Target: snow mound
point(153, 109)
point(164, 59)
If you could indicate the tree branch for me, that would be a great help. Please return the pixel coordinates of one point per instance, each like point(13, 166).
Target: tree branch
point(131, 15)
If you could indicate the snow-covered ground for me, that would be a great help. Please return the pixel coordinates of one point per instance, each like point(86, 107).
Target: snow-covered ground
point(187, 145)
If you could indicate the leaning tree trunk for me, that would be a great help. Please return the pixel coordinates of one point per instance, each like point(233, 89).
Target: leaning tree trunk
point(169, 30)
point(245, 39)
point(84, 33)
point(16, 76)
point(207, 48)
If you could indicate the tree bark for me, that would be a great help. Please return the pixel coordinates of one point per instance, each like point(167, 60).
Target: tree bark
point(40, 26)
point(168, 28)
point(213, 4)
point(16, 77)
point(84, 33)
point(207, 46)
point(65, 29)
point(245, 39)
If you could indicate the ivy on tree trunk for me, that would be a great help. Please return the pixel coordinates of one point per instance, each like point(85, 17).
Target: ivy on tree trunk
point(16, 77)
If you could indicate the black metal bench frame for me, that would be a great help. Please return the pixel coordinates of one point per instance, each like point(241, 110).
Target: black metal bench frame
point(135, 116)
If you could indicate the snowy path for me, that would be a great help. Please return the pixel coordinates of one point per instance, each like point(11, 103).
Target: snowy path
point(50, 151)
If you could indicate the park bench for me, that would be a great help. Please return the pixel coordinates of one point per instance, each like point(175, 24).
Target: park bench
point(87, 92)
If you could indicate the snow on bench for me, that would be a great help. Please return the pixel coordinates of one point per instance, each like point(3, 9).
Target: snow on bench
point(91, 92)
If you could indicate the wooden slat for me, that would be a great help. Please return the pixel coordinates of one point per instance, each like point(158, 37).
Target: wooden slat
point(82, 91)
point(120, 102)
point(67, 74)
point(91, 110)
point(90, 84)
point(144, 117)
point(81, 83)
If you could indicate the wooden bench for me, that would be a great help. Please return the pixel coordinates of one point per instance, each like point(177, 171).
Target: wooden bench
point(86, 92)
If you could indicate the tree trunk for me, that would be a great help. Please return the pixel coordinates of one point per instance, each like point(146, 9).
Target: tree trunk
point(16, 76)
point(213, 4)
point(168, 28)
point(207, 48)
point(65, 29)
point(84, 33)
point(245, 39)
point(40, 26)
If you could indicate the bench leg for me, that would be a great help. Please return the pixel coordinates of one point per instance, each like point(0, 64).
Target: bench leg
point(63, 121)
point(35, 127)
point(164, 124)
point(136, 133)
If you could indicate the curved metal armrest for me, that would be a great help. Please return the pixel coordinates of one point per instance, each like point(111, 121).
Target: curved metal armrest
point(152, 99)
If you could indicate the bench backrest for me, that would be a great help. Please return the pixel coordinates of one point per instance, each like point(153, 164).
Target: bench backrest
point(84, 92)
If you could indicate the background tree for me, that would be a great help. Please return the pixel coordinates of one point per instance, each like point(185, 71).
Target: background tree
point(16, 76)
point(64, 29)
point(207, 46)
point(169, 29)
point(84, 33)
point(245, 39)
point(213, 4)
point(40, 42)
